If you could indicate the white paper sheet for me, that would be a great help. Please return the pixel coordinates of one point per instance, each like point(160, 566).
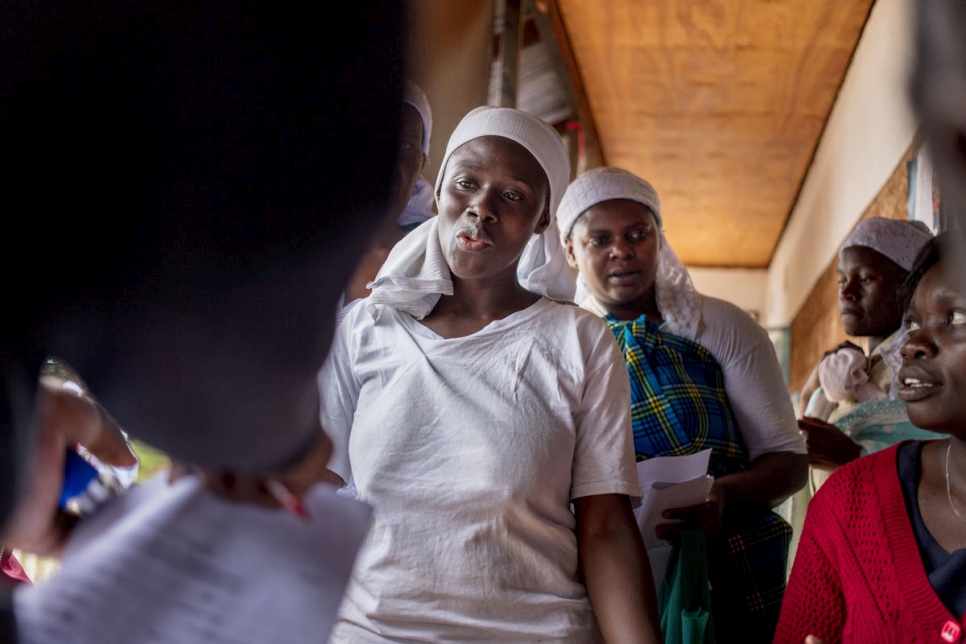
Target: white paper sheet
point(176, 564)
point(668, 482)
point(672, 469)
point(675, 495)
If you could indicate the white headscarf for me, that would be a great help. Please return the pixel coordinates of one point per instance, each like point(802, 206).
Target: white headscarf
point(420, 206)
point(677, 300)
point(898, 239)
point(415, 274)
point(414, 95)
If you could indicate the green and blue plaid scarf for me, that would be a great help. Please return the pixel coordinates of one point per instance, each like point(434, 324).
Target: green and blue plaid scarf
point(679, 406)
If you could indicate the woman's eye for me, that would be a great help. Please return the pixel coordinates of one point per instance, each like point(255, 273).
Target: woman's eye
point(598, 241)
point(957, 318)
point(913, 325)
point(638, 235)
point(464, 183)
point(512, 195)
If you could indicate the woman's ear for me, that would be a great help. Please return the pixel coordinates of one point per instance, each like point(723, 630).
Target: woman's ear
point(544, 222)
point(571, 258)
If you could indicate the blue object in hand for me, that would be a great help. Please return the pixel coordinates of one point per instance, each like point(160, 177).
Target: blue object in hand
point(78, 474)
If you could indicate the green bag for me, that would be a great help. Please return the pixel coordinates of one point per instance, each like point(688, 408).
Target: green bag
point(685, 598)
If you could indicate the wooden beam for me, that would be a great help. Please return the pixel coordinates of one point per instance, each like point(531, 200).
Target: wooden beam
point(553, 32)
point(510, 42)
point(549, 39)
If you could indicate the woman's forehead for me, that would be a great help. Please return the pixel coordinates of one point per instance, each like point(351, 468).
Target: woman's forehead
point(862, 257)
point(941, 283)
point(617, 212)
point(496, 151)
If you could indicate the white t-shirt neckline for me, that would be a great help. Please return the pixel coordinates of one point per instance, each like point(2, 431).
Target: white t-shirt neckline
point(496, 326)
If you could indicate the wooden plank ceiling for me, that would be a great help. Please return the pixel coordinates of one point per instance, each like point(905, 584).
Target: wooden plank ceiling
point(719, 103)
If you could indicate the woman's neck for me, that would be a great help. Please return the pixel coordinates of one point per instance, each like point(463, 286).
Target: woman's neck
point(942, 492)
point(957, 463)
point(476, 303)
point(646, 306)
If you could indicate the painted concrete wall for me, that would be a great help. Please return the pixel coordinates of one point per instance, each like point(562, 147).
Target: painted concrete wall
point(870, 128)
point(744, 287)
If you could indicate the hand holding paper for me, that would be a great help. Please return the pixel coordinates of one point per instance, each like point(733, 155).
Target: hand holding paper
point(706, 515)
point(176, 563)
point(670, 482)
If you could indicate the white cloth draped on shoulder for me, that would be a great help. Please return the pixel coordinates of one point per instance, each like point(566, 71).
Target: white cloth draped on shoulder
point(414, 275)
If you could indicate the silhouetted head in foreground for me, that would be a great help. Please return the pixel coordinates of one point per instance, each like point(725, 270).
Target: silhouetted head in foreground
point(191, 186)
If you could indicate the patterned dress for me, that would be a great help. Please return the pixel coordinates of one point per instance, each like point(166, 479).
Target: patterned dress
point(679, 406)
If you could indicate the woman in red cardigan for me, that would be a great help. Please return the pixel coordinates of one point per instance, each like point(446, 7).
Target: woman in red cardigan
point(883, 551)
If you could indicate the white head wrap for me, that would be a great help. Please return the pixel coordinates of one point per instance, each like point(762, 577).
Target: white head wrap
point(414, 95)
point(540, 140)
point(899, 240)
point(677, 300)
point(420, 206)
point(415, 274)
point(603, 184)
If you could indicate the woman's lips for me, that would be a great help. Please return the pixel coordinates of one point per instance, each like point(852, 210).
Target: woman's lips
point(915, 385)
point(623, 278)
point(473, 240)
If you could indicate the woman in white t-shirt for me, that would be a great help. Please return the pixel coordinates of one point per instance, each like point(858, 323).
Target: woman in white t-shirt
point(487, 424)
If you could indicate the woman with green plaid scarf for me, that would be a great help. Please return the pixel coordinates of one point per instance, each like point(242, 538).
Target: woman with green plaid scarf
point(703, 375)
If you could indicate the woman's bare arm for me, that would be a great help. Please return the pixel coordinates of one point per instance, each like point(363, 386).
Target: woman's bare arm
point(616, 570)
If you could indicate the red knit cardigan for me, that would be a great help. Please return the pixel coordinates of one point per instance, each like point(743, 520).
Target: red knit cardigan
point(858, 575)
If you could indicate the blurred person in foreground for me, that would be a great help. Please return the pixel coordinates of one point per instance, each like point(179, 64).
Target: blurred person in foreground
point(203, 178)
point(938, 89)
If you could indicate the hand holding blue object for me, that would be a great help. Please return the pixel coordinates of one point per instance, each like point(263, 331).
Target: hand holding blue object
point(63, 420)
point(85, 486)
